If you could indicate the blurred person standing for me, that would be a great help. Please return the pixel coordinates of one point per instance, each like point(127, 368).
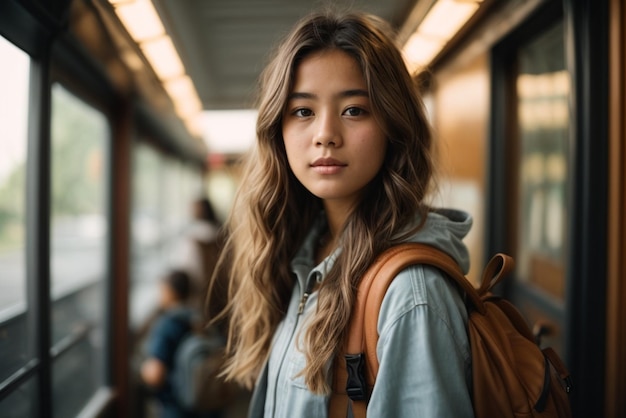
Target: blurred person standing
point(198, 251)
point(175, 321)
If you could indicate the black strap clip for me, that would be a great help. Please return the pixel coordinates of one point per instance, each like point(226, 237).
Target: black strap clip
point(356, 387)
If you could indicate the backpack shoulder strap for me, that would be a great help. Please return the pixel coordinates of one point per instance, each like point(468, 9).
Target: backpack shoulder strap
point(362, 336)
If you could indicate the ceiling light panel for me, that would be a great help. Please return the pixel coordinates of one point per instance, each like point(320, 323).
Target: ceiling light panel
point(442, 22)
point(163, 57)
point(141, 20)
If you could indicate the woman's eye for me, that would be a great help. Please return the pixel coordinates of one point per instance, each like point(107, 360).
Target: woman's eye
point(354, 111)
point(303, 113)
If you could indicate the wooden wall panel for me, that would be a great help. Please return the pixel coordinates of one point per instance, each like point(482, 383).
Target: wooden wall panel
point(460, 114)
point(616, 325)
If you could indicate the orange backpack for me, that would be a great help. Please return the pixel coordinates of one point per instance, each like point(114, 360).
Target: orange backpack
point(512, 375)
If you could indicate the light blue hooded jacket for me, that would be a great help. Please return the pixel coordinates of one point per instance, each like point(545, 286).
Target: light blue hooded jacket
point(423, 348)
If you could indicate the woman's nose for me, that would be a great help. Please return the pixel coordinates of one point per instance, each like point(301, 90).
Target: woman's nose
point(328, 132)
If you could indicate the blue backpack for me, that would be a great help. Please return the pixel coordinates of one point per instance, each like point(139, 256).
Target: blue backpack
point(195, 379)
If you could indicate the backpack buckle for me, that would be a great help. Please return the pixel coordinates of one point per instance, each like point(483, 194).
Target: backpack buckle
point(356, 387)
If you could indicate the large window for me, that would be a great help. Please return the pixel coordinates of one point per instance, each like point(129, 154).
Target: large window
point(163, 189)
point(146, 232)
point(543, 115)
point(78, 246)
point(530, 168)
point(14, 85)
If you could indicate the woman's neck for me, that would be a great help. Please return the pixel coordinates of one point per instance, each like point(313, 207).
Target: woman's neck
point(336, 216)
point(325, 245)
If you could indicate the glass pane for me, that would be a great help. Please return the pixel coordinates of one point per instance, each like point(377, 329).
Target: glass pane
point(174, 210)
point(147, 231)
point(221, 186)
point(163, 189)
point(78, 240)
point(73, 384)
point(185, 183)
point(14, 86)
point(543, 87)
point(22, 402)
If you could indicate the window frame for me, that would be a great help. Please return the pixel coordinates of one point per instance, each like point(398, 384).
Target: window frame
point(85, 79)
point(583, 314)
point(61, 64)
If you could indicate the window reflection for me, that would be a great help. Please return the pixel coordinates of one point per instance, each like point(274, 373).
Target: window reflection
point(163, 189)
point(78, 246)
point(543, 89)
point(14, 86)
point(21, 403)
point(146, 233)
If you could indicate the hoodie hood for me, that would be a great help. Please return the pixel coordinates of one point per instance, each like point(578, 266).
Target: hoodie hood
point(445, 229)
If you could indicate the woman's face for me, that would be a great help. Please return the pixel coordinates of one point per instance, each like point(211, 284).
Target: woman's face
point(334, 145)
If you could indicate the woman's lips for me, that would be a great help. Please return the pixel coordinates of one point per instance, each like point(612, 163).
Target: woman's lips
point(328, 165)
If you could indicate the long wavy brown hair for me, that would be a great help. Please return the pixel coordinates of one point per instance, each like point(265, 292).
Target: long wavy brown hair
point(272, 211)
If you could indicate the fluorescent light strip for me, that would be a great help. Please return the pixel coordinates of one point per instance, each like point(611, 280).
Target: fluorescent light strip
point(444, 19)
point(142, 22)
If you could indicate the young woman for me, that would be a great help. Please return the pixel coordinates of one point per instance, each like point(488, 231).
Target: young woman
point(339, 173)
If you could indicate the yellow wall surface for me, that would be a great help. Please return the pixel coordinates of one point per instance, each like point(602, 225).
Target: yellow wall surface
point(459, 109)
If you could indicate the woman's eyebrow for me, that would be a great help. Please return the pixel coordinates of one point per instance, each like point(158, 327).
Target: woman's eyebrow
point(346, 93)
point(354, 92)
point(301, 95)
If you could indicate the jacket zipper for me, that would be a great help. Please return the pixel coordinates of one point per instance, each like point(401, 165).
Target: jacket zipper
point(305, 295)
point(303, 299)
